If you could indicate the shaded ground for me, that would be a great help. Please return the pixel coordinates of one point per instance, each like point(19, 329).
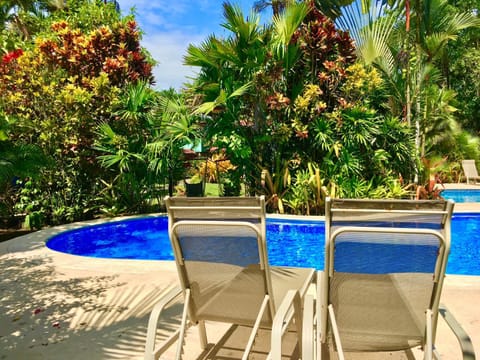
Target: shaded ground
point(7, 234)
point(60, 306)
point(11, 227)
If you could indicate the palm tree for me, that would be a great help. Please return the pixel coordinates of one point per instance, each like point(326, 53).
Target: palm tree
point(278, 6)
point(435, 25)
point(416, 48)
point(12, 12)
point(121, 146)
point(174, 126)
point(239, 79)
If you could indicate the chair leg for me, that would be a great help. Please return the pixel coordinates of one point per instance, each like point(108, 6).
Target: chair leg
point(202, 332)
point(308, 330)
point(183, 328)
point(429, 336)
point(290, 310)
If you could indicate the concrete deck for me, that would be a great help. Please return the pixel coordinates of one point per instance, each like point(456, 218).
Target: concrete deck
point(60, 306)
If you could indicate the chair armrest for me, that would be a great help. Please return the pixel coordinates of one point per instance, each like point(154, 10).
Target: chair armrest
point(463, 338)
point(150, 351)
point(290, 309)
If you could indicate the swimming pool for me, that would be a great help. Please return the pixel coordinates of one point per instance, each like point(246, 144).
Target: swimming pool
point(290, 242)
point(461, 196)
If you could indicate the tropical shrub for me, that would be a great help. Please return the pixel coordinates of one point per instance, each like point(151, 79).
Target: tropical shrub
point(58, 92)
point(128, 182)
point(325, 54)
point(280, 106)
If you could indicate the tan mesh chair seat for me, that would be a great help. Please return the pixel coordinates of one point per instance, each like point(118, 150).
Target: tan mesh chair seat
point(236, 295)
point(370, 321)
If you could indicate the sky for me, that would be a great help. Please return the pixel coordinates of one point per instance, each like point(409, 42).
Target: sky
point(169, 26)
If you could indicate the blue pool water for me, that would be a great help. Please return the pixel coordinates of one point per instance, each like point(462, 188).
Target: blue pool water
point(461, 196)
point(290, 242)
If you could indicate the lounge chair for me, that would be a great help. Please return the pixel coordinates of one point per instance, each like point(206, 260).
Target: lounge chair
point(220, 251)
point(470, 171)
point(385, 263)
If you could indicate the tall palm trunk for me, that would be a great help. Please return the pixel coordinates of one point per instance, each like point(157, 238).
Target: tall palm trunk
point(408, 110)
point(21, 26)
point(418, 92)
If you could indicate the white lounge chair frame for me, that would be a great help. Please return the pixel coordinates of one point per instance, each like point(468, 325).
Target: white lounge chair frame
point(375, 216)
point(212, 218)
point(470, 171)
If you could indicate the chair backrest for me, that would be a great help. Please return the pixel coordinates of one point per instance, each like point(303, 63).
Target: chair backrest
point(220, 250)
point(470, 169)
point(385, 262)
point(251, 209)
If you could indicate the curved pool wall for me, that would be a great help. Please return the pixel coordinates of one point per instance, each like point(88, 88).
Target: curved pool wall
point(291, 242)
point(143, 238)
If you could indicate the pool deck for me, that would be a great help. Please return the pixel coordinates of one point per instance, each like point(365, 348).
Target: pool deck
point(60, 306)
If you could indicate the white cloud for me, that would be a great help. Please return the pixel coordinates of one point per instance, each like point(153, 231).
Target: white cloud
point(168, 49)
point(169, 26)
point(144, 7)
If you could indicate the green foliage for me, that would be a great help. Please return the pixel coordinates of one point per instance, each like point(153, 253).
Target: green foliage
point(311, 104)
point(297, 116)
point(413, 51)
point(174, 127)
point(56, 196)
point(465, 80)
point(231, 183)
point(130, 182)
point(74, 76)
point(276, 185)
point(87, 14)
point(309, 191)
point(18, 161)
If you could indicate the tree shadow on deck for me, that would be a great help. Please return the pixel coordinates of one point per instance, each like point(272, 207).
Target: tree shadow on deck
point(47, 314)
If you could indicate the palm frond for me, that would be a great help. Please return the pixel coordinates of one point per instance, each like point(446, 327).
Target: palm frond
point(23, 160)
point(462, 21)
point(371, 28)
point(285, 25)
point(436, 42)
point(106, 132)
point(201, 55)
point(241, 90)
point(236, 22)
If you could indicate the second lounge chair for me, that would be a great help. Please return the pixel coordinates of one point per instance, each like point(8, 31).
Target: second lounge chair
point(470, 171)
point(385, 262)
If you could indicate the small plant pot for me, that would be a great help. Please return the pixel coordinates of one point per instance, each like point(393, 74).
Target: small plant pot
point(195, 190)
